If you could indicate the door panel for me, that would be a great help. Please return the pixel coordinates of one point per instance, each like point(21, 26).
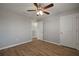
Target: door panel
point(77, 20)
point(68, 36)
point(40, 29)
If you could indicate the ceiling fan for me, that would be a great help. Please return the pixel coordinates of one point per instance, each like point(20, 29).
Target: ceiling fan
point(40, 9)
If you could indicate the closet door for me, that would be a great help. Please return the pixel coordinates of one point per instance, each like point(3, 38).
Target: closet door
point(77, 42)
point(74, 30)
point(68, 33)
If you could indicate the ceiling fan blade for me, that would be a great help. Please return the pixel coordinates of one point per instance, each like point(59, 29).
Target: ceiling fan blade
point(46, 12)
point(48, 6)
point(35, 4)
point(31, 10)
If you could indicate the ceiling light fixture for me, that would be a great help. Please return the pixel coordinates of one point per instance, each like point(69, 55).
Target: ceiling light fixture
point(40, 12)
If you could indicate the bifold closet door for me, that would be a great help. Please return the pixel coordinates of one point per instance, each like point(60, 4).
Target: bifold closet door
point(68, 31)
point(77, 42)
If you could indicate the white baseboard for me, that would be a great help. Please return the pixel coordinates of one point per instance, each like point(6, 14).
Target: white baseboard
point(14, 45)
point(52, 42)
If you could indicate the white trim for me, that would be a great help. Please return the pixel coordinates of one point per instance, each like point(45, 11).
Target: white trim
point(52, 42)
point(14, 45)
point(58, 44)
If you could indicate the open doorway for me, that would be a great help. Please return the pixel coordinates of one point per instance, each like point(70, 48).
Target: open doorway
point(37, 30)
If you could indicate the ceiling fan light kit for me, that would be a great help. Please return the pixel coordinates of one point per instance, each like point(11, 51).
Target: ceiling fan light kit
point(41, 10)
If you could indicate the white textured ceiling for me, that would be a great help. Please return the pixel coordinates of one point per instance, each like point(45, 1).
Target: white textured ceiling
point(21, 8)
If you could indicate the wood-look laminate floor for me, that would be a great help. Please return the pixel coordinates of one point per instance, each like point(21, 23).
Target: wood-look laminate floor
point(39, 48)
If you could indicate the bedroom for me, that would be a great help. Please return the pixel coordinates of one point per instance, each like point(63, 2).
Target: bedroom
point(56, 33)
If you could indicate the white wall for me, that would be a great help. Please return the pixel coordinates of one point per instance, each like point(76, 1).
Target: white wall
point(51, 29)
point(14, 29)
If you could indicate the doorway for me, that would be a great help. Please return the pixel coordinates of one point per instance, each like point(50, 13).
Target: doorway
point(37, 30)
